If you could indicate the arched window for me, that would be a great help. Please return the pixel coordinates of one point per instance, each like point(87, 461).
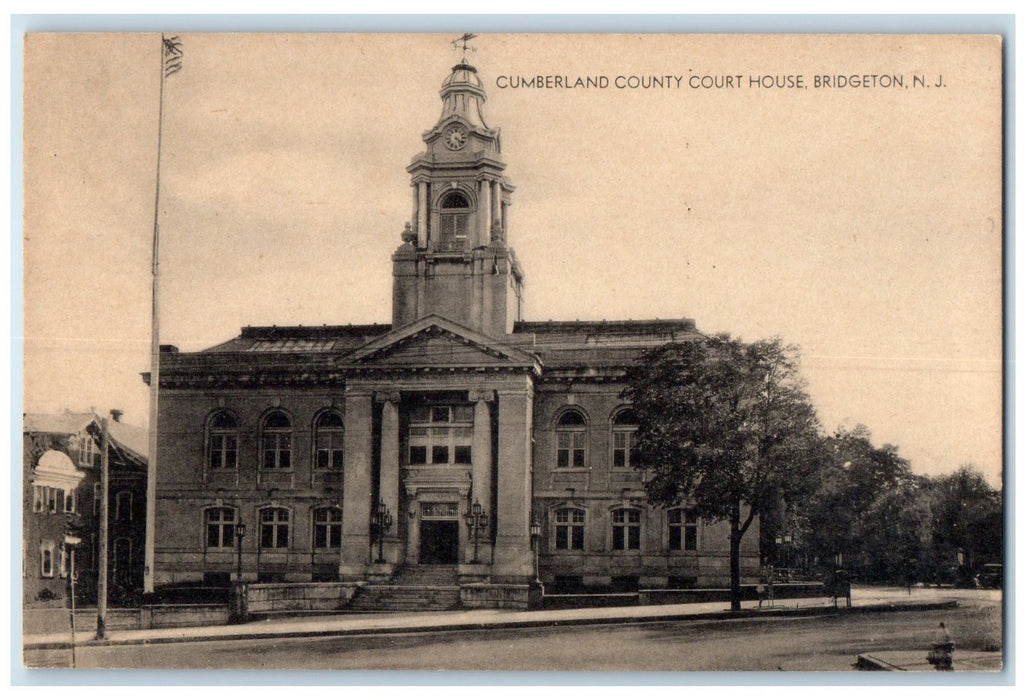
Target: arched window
point(625, 425)
point(683, 529)
point(223, 445)
point(571, 440)
point(329, 432)
point(569, 528)
point(220, 526)
point(626, 528)
point(123, 506)
point(276, 439)
point(327, 524)
point(454, 222)
point(274, 528)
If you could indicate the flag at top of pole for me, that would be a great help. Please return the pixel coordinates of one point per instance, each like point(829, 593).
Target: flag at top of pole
point(172, 55)
point(170, 63)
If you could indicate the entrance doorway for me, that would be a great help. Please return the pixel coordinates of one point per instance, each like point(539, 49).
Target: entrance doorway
point(439, 541)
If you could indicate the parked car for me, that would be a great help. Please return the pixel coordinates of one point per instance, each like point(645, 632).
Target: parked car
point(992, 576)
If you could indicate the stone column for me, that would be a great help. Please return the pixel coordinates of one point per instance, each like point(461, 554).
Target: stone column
point(512, 560)
point(356, 496)
point(422, 214)
point(484, 213)
point(505, 220)
point(415, 189)
point(481, 474)
point(496, 215)
point(389, 486)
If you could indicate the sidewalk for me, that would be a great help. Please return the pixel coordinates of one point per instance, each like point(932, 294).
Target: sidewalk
point(376, 623)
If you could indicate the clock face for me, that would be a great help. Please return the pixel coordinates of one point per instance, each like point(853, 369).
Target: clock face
point(455, 137)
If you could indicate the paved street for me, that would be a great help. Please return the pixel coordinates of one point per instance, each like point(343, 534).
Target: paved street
point(820, 642)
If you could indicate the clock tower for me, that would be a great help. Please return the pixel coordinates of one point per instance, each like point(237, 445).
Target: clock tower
point(454, 260)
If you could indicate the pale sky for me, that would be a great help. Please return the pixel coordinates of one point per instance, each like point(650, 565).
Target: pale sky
point(862, 224)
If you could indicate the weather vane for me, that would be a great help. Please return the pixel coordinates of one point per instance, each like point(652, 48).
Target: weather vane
point(465, 40)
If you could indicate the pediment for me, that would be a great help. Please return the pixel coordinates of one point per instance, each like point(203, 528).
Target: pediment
point(435, 342)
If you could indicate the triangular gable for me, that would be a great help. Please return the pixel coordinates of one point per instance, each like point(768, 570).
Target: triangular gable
point(434, 341)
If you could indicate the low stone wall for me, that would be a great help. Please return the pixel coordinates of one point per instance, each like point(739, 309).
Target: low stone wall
point(264, 598)
point(495, 595)
point(48, 621)
point(667, 596)
point(566, 601)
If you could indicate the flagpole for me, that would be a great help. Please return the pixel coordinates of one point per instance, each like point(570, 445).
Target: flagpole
point(151, 470)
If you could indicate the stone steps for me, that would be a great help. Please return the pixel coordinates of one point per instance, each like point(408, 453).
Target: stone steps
point(413, 588)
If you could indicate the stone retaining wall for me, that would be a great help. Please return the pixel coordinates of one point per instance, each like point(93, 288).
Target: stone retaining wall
point(263, 598)
point(495, 595)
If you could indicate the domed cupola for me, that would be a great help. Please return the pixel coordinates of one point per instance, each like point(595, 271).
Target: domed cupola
point(463, 96)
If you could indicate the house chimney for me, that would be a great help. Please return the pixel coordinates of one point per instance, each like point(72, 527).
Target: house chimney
point(116, 414)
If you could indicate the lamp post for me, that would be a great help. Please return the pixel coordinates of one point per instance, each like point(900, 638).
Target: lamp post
point(535, 542)
point(477, 520)
point(69, 544)
point(240, 532)
point(382, 521)
point(239, 612)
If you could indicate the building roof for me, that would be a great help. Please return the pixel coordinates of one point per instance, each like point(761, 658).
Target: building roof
point(129, 438)
point(66, 423)
point(302, 339)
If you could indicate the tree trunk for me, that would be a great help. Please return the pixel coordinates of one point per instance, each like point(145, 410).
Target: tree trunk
point(735, 558)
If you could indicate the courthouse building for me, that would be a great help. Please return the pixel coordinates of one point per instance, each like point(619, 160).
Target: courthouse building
point(353, 452)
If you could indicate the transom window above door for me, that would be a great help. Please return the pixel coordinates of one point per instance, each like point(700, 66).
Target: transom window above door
point(441, 435)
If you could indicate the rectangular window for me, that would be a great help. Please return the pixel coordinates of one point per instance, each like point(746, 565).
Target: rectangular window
point(220, 528)
point(47, 550)
point(327, 528)
point(683, 534)
point(274, 528)
point(626, 529)
point(570, 449)
point(454, 231)
point(54, 499)
point(624, 449)
point(441, 435)
point(38, 499)
point(223, 450)
point(277, 451)
point(69, 502)
point(570, 529)
point(87, 451)
point(329, 449)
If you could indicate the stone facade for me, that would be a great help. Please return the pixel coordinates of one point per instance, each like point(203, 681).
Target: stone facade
point(350, 451)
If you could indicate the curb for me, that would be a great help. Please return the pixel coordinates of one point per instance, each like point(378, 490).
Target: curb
point(526, 624)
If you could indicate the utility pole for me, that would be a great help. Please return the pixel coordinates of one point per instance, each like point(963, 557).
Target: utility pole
point(101, 587)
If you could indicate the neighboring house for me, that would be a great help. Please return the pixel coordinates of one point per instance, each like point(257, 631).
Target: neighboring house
point(350, 451)
point(61, 472)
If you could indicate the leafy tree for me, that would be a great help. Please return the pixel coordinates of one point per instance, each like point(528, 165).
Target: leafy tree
point(726, 425)
point(845, 509)
point(967, 519)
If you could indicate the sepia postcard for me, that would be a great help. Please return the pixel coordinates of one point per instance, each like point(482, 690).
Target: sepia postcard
point(513, 352)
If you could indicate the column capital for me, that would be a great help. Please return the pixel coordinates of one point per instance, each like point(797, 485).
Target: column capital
point(387, 397)
point(486, 395)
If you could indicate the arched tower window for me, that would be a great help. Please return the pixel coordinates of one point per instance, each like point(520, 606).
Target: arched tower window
point(277, 441)
point(571, 440)
point(453, 222)
point(330, 432)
